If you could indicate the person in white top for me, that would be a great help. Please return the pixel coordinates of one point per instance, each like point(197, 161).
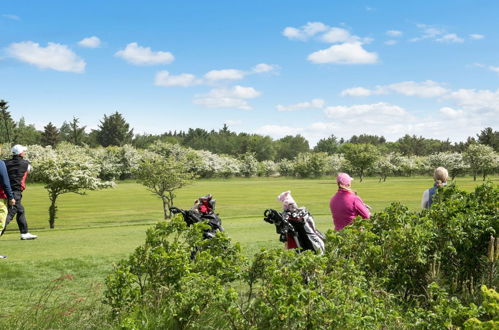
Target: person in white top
point(441, 175)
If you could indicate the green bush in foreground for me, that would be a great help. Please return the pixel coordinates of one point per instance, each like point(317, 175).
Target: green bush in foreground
point(400, 269)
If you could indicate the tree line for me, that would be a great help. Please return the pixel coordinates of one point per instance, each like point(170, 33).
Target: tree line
point(114, 130)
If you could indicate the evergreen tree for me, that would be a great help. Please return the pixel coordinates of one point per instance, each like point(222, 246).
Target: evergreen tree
point(72, 132)
point(7, 124)
point(489, 137)
point(50, 135)
point(26, 134)
point(114, 131)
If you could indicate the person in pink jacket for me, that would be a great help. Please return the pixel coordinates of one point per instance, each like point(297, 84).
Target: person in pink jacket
point(345, 205)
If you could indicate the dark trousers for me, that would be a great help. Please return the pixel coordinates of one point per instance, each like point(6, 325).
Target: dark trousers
point(17, 210)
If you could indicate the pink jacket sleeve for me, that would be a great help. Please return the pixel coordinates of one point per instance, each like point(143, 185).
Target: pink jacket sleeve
point(361, 208)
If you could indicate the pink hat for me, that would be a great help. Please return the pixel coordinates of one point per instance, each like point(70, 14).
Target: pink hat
point(344, 179)
point(288, 203)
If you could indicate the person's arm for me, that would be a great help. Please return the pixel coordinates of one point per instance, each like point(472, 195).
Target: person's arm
point(361, 208)
point(425, 200)
point(4, 178)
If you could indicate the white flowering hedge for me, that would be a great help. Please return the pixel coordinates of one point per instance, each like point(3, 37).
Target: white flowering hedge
point(118, 163)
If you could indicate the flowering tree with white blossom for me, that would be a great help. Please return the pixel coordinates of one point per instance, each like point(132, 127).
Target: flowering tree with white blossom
point(67, 169)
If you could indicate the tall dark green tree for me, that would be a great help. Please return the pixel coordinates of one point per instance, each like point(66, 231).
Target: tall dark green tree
point(26, 134)
point(72, 132)
point(489, 137)
point(7, 125)
point(114, 131)
point(50, 135)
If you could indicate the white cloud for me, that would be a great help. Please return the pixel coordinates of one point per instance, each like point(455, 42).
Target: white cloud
point(90, 42)
point(391, 42)
point(439, 35)
point(450, 38)
point(335, 35)
point(375, 111)
point(488, 67)
point(234, 97)
point(474, 110)
point(393, 33)
point(347, 53)
point(226, 74)
point(428, 32)
point(164, 78)
point(476, 36)
point(347, 48)
point(451, 113)
point(425, 89)
point(55, 56)
point(357, 91)
point(482, 101)
point(138, 55)
point(12, 17)
point(292, 33)
point(305, 32)
point(262, 68)
point(314, 104)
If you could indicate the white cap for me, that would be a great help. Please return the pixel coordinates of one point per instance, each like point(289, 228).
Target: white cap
point(18, 149)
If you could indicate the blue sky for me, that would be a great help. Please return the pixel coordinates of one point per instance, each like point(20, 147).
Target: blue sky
point(271, 67)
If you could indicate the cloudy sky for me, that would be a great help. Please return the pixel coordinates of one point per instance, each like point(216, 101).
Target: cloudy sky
point(271, 67)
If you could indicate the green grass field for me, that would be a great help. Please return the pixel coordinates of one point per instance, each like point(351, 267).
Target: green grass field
point(96, 230)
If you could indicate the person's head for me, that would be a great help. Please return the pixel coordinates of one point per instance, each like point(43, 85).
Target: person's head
point(19, 150)
point(441, 175)
point(288, 203)
point(344, 180)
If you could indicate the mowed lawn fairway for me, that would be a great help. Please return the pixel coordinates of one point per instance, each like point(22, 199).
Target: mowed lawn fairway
point(96, 230)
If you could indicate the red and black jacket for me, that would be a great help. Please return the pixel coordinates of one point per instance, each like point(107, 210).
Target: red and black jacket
point(17, 167)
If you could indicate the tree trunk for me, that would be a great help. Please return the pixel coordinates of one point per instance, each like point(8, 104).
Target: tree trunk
point(474, 176)
point(165, 207)
point(52, 211)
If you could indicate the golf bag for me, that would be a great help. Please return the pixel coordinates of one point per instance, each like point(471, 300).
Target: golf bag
point(297, 229)
point(203, 210)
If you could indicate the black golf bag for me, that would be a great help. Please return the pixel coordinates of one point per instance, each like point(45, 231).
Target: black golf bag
point(297, 229)
point(203, 210)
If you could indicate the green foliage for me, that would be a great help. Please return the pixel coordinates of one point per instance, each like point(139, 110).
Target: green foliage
point(72, 132)
point(50, 136)
point(490, 307)
point(25, 134)
point(169, 272)
point(162, 176)
point(67, 169)
point(114, 131)
point(311, 164)
point(290, 146)
point(489, 137)
point(360, 157)
point(328, 145)
point(249, 164)
point(7, 124)
point(480, 158)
